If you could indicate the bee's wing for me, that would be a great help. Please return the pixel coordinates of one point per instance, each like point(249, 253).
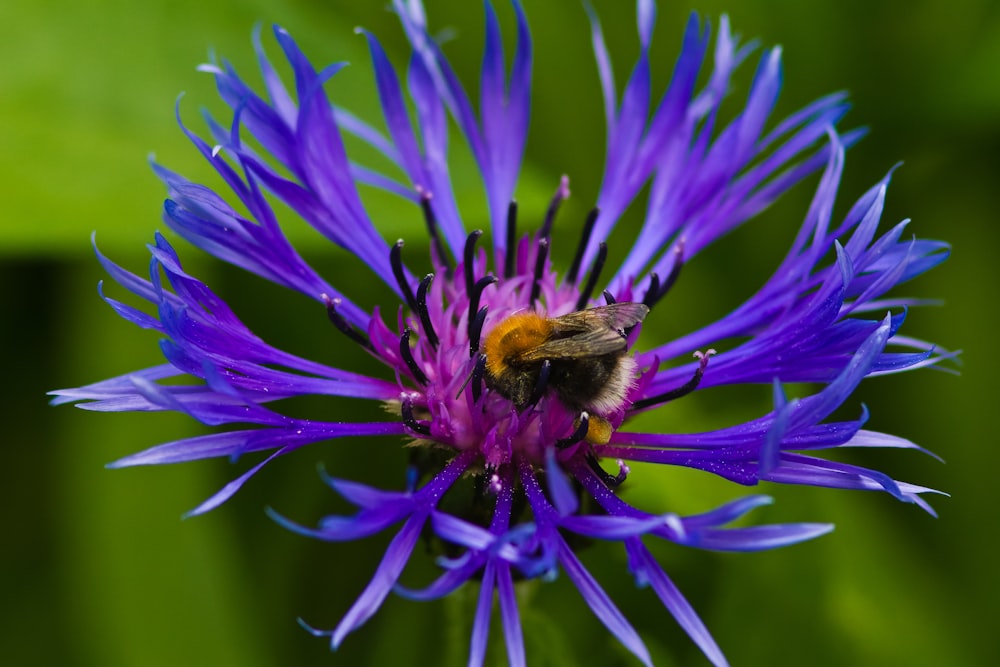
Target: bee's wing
point(594, 342)
point(587, 333)
point(613, 316)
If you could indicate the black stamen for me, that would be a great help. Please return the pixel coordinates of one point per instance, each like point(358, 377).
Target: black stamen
point(675, 271)
point(595, 273)
point(435, 233)
point(477, 378)
point(469, 257)
point(476, 374)
point(476, 331)
point(550, 214)
point(410, 421)
point(541, 383)
point(536, 283)
point(396, 261)
point(679, 392)
point(611, 481)
point(511, 253)
point(579, 434)
point(609, 298)
point(652, 292)
point(407, 354)
point(425, 316)
point(474, 295)
point(344, 326)
point(588, 229)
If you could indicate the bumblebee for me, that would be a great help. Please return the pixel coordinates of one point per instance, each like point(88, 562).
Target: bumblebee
point(580, 357)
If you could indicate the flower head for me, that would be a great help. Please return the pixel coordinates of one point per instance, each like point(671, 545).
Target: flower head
point(508, 374)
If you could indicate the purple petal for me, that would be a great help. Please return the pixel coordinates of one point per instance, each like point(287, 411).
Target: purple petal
point(388, 571)
point(675, 602)
point(601, 604)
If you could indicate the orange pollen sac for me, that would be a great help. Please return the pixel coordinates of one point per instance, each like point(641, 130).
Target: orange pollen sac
point(513, 336)
point(598, 430)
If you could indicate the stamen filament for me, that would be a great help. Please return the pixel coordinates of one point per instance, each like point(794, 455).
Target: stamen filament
point(653, 290)
point(536, 282)
point(611, 481)
point(579, 434)
point(653, 296)
point(681, 391)
point(344, 326)
point(427, 326)
point(595, 273)
point(478, 371)
point(588, 229)
point(396, 262)
point(561, 194)
point(476, 330)
point(410, 421)
point(407, 354)
point(469, 258)
point(474, 295)
point(435, 233)
point(510, 255)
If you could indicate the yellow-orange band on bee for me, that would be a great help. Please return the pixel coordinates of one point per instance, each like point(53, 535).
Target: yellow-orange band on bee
point(513, 336)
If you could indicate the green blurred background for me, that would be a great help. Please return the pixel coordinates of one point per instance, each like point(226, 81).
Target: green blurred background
point(97, 567)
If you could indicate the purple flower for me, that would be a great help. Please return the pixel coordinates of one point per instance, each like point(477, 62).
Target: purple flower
point(530, 418)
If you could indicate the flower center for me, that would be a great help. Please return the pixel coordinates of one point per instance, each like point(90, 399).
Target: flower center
point(513, 365)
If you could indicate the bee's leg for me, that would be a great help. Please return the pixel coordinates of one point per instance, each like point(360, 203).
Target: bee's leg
point(541, 384)
point(576, 436)
point(476, 378)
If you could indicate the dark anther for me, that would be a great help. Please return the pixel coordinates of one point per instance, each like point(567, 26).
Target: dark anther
point(609, 298)
point(425, 316)
point(477, 378)
point(435, 233)
point(411, 422)
point(588, 229)
point(474, 295)
point(541, 384)
point(476, 330)
point(683, 390)
point(469, 257)
point(511, 253)
point(344, 326)
point(576, 436)
point(595, 273)
point(562, 192)
point(407, 354)
point(653, 296)
point(536, 281)
point(396, 261)
point(611, 481)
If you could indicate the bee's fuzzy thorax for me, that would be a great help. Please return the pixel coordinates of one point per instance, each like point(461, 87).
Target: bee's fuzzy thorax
point(518, 333)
